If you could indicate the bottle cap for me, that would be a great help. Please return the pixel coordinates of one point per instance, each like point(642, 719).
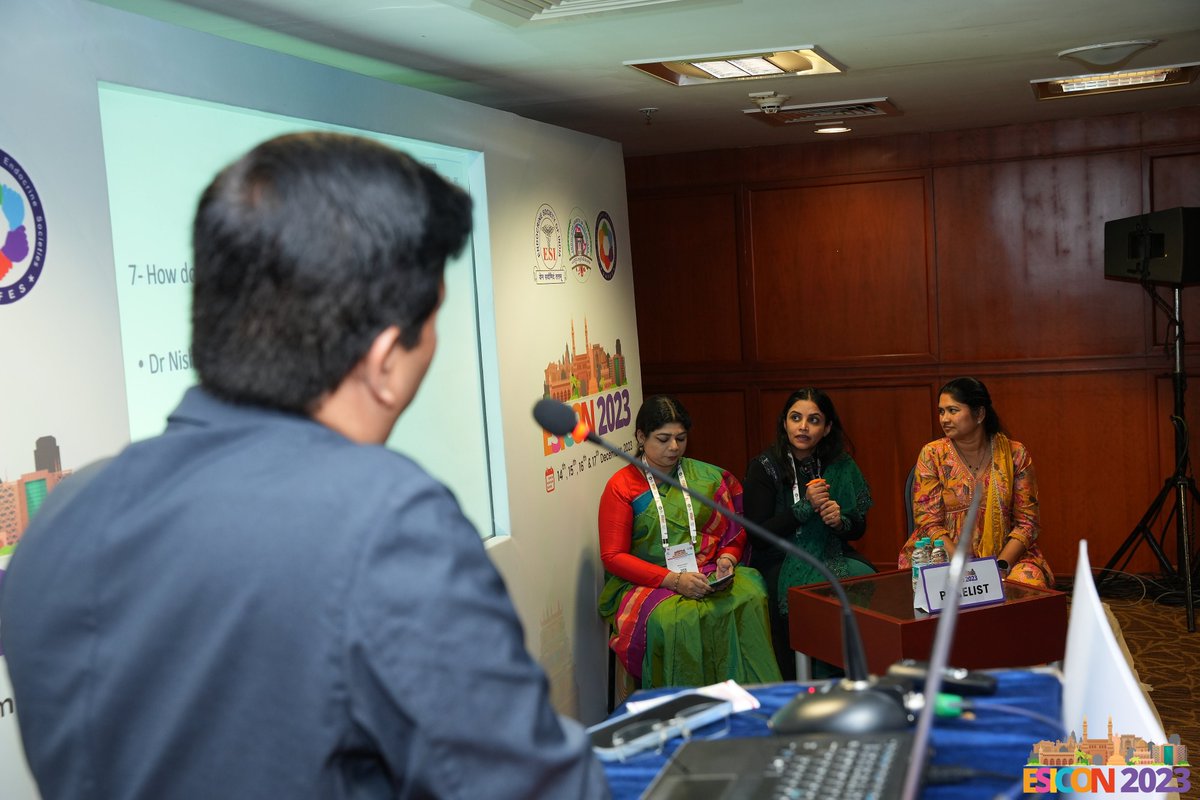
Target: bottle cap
point(938, 543)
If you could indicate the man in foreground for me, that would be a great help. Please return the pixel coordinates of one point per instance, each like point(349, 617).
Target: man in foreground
point(264, 602)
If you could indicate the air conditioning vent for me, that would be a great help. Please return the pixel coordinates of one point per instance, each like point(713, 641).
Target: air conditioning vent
point(817, 112)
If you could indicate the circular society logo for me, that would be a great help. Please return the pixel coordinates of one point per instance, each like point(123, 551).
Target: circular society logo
point(22, 232)
point(606, 246)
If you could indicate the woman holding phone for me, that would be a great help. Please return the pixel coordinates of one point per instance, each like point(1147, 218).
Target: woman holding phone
point(682, 608)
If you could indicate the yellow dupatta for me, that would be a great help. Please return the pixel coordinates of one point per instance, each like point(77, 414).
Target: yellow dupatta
point(994, 531)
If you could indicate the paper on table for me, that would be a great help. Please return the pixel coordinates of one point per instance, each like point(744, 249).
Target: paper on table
point(726, 690)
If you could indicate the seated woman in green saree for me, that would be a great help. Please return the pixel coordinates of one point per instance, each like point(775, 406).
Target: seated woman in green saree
point(669, 626)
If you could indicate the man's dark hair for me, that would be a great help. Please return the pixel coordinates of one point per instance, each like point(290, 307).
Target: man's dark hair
point(305, 250)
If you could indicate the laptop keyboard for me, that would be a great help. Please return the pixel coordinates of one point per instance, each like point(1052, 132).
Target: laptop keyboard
point(816, 766)
point(813, 768)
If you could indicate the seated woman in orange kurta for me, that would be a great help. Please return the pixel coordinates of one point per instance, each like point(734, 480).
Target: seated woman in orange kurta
point(976, 455)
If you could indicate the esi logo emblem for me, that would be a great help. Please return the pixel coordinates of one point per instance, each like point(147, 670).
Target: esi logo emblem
point(22, 232)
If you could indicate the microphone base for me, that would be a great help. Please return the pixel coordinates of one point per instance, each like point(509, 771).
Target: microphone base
point(845, 707)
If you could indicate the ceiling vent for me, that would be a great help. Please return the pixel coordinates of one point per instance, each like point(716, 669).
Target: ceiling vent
point(817, 112)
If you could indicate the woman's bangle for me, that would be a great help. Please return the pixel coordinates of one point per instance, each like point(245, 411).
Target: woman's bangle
point(732, 560)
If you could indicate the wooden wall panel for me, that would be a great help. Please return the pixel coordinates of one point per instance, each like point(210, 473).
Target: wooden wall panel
point(880, 269)
point(1020, 259)
point(788, 162)
point(1174, 179)
point(718, 433)
point(685, 278)
point(852, 255)
point(1084, 431)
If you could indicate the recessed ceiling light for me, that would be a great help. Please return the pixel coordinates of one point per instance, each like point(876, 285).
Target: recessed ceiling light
point(1125, 80)
point(739, 68)
point(714, 67)
point(833, 127)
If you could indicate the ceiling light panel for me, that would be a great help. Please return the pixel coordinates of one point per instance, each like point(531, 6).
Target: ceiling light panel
point(756, 66)
point(715, 67)
point(1125, 80)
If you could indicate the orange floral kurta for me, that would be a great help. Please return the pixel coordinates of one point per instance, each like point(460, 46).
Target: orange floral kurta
point(942, 490)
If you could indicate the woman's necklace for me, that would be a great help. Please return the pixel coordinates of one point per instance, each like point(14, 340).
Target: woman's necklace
point(984, 457)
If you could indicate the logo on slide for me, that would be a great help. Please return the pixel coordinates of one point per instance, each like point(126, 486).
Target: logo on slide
point(23, 235)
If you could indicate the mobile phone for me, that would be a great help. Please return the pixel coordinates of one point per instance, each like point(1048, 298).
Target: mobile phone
point(629, 734)
point(719, 583)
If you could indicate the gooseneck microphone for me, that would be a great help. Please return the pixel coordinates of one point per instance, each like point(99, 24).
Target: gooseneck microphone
point(854, 705)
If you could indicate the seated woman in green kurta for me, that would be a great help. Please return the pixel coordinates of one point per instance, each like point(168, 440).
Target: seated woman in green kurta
point(659, 547)
point(807, 488)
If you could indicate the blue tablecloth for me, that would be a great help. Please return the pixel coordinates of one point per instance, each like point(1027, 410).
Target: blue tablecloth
point(994, 741)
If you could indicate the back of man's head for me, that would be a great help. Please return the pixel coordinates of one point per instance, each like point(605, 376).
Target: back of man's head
point(305, 250)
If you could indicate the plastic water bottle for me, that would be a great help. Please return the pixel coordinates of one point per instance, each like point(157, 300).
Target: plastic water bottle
point(938, 554)
point(920, 557)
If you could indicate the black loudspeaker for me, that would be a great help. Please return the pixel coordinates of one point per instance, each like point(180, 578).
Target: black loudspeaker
point(1161, 247)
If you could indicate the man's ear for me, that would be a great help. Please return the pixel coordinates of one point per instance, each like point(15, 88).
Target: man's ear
point(379, 363)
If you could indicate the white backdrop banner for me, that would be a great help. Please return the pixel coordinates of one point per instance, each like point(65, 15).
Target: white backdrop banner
point(15, 780)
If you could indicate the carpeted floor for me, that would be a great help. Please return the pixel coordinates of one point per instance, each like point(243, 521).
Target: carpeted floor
point(1165, 656)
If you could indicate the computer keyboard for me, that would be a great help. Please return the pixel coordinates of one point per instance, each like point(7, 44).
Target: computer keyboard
point(801, 767)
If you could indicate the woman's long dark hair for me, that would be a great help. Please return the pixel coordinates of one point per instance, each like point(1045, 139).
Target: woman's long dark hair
point(829, 448)
point(974, 395)
point(657, 411)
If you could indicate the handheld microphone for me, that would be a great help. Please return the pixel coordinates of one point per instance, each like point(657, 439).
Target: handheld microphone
point(854, 705)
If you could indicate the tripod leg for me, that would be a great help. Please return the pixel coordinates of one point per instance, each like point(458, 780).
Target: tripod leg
point(1185, 550)
point(1141, 532)
point(1195, 557)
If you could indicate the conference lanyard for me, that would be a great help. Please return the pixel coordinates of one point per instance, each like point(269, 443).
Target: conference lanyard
point(796, 477)
point(662, 512)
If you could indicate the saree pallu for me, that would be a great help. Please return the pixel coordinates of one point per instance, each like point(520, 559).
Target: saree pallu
point(665, 639)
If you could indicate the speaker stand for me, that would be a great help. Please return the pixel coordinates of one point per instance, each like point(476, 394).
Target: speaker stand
point(1179, 487)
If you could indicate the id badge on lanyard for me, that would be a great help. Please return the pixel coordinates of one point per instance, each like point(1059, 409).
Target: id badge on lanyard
point(680, 557)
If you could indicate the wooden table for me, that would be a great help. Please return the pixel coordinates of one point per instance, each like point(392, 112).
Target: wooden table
point(1029, 627)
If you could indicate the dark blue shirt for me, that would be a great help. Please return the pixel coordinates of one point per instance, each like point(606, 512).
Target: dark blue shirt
point(252, 606)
